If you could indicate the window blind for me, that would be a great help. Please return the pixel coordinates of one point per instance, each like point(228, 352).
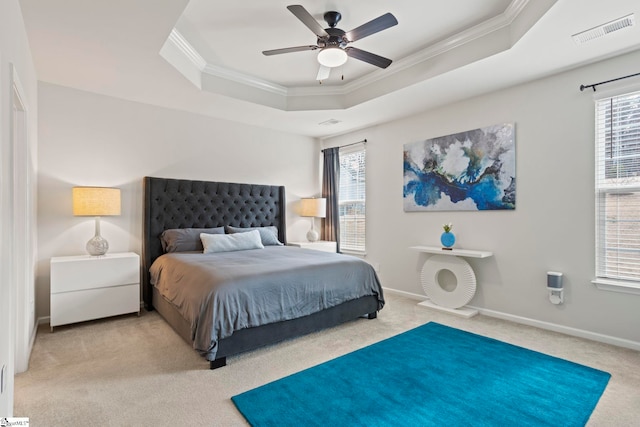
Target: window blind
point(618, 187)
point(352, 199)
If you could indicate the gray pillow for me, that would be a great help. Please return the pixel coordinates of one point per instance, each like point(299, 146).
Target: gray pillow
point(231, 242)
point(185, 239)
point(269, 235)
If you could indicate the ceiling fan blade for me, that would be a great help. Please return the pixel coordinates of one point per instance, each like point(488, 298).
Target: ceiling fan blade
point(308, 20)
point(288, 50)
point(323, 73)
point(380, 23)
point(371, 58)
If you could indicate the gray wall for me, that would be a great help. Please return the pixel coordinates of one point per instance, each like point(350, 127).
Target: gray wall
point(552, 227)
point(89, 139)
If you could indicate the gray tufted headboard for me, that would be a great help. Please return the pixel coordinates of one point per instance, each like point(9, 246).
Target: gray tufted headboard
point(178, 203)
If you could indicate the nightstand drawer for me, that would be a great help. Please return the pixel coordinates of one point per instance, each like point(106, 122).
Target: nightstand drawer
point(87, 272)
point(71, 307)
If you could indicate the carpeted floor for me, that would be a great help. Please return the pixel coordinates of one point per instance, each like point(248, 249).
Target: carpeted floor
point(136, 371)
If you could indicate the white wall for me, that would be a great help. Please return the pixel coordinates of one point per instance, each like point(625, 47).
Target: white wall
point(14, 50)
point(89, 139)
point(552, 227)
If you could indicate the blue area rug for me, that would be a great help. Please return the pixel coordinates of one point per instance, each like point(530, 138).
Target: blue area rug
point(432, 375)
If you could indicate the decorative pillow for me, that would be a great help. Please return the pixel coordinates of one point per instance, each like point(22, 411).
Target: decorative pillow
point(231, 242)
point(185, 239)
point(268, 235)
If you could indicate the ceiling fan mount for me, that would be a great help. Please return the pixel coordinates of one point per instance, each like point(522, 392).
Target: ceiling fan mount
point(332, 18)
point(334, 40)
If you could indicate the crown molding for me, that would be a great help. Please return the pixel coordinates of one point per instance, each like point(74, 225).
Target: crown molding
point(514, 9)
point(318, 90)
point(183, 46)
point(499, 22)
point(246, 79)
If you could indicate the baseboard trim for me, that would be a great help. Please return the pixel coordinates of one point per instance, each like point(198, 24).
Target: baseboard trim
point(405, 294)
point(465, 312)
point(21, 367)
point(45, 320)
point(567, 330)
point(32, 339)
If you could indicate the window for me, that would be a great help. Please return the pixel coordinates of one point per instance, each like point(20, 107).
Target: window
point(618, 189)
point(352, 199)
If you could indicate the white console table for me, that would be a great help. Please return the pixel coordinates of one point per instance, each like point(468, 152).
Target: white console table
point(452, 260)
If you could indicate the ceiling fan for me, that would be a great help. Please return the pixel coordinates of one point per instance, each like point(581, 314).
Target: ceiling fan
point(333, 41)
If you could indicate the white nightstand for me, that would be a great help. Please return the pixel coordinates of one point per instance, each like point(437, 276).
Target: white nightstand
point(89, 287)
point(320, 245)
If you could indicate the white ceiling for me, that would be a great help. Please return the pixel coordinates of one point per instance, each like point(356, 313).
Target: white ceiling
point(269, 25)
point(204, 56)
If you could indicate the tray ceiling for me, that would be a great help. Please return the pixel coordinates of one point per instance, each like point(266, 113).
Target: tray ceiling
point(205, 56)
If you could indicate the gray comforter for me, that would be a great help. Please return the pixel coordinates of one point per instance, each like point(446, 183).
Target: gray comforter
point(223, 292)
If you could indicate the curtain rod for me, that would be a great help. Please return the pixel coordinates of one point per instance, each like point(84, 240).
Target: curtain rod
point(593, 86)
point(364, 141)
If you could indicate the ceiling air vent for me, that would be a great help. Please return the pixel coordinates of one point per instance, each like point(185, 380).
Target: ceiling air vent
point(604, 29)
point(330, 122)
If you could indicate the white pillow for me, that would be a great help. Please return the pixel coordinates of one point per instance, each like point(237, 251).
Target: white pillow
point(231, 242)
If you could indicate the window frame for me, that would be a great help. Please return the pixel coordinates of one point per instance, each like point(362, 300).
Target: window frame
point(361, 250)
point(609, 282)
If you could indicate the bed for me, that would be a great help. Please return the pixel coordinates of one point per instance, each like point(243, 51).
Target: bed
point(172, 204)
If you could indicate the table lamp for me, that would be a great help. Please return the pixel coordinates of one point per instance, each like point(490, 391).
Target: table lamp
point(313, 208)
point(96, 201)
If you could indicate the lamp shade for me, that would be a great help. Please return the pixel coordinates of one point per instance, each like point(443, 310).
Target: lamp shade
point(313, 207)
point(96, 201)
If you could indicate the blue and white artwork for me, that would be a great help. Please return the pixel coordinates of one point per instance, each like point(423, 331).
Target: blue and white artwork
point(466, 171)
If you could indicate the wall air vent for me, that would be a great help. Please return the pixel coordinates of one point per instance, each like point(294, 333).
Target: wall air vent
point(604, 29)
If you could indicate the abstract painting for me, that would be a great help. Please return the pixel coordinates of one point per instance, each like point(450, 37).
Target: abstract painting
point(467, 171)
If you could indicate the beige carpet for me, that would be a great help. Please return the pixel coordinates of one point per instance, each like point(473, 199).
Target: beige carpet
point(135, 371)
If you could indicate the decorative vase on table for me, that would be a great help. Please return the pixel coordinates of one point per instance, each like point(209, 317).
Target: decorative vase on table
point(448, 239)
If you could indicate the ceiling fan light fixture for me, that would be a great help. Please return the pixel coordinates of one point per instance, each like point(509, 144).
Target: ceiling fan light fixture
point(332, 57)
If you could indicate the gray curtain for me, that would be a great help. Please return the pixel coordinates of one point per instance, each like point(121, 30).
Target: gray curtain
point(330, 189)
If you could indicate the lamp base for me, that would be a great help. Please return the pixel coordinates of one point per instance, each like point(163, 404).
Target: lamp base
point(313, 235)
point(97, 246)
